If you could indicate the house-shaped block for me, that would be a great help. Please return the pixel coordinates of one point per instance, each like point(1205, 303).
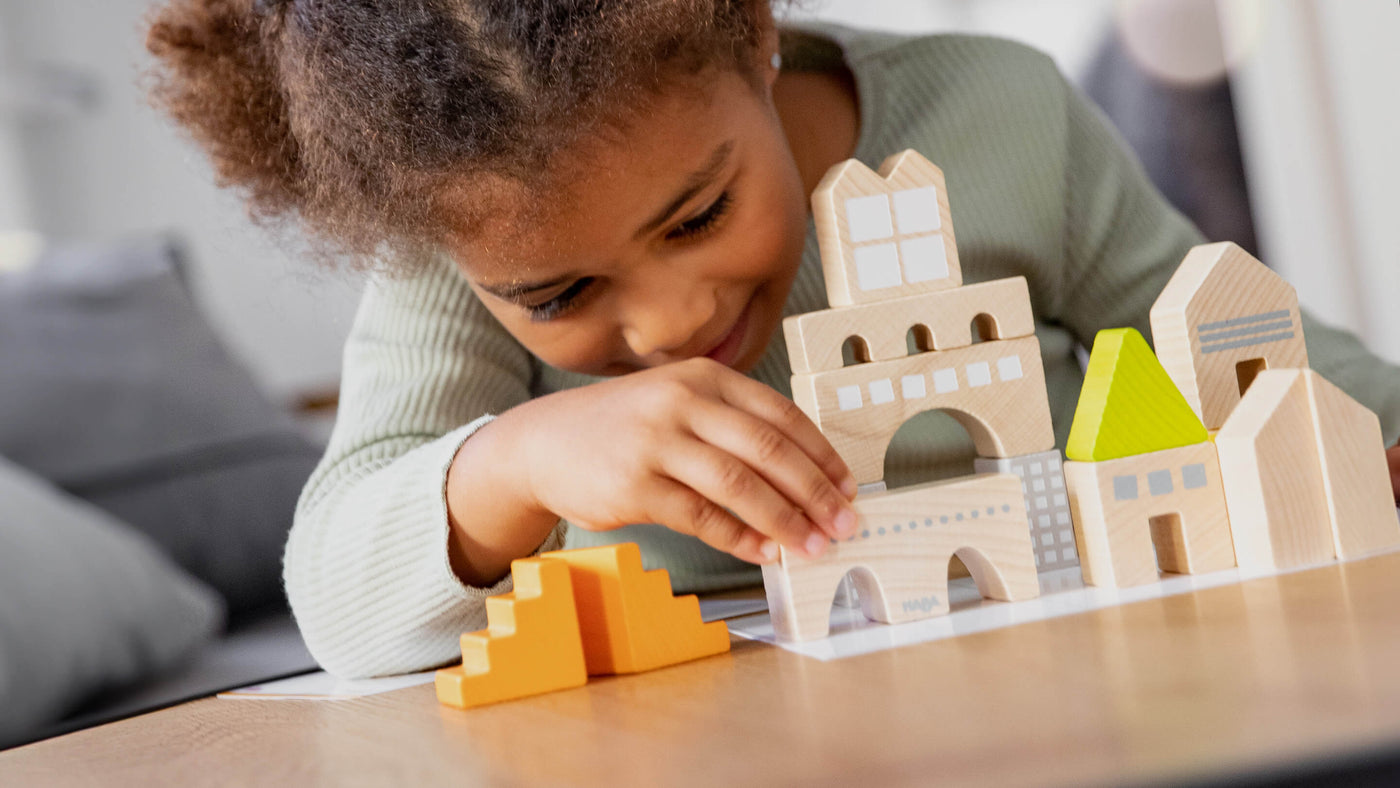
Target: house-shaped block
point(1144, 480)
point(887, 234)
point(1305, 474)
point(1223, 318)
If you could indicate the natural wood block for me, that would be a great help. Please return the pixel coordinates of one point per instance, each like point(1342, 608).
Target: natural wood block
point(1135, 515)
point(628, 618)
point(1222, 318)
point(1279, 514)
point(887, 234)
point(994, 389)
point(1355, 474)
point(899, 556)
point(1128, 405)
point(532, 644)
point(940, 321)
point(1047, 504)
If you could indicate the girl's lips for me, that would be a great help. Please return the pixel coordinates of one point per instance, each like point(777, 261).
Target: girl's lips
point(727, 351)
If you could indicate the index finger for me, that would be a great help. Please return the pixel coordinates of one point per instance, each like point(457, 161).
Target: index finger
point(758, 399)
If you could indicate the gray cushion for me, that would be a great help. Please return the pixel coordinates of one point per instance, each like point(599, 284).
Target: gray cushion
point(117, 390)
point(86, 604)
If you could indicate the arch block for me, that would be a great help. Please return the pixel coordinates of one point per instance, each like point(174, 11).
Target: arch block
point(887, 234)
point(1128, 405)
point(1163, 510)
point(532, 644)
point(1222, 316)
point(900, 555)
point(814, 339)
point(995, 389)
point(627, 617)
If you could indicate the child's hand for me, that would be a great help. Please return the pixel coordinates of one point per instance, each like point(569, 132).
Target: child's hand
point(679, 445)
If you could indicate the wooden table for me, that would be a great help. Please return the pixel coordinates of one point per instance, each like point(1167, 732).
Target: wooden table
point(1266, 673)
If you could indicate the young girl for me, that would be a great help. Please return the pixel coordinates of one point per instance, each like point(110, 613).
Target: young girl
point(614, 193)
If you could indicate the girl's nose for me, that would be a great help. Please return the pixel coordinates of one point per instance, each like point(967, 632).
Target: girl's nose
point(662, 322)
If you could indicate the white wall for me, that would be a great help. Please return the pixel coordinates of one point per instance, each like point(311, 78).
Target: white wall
point(119, 169)
point(1319, 112)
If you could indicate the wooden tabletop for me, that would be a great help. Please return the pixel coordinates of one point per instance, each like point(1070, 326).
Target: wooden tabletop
point(1266, 673)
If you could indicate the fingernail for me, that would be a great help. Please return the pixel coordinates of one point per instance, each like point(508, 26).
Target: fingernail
point(768, 551)
point(849, 488)
point(815, 544)
point(845, 522)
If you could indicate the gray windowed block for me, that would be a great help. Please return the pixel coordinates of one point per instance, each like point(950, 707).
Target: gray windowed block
point(1125, 488)
point(1193, 477)
point(1160, 482)
point(1046, 513)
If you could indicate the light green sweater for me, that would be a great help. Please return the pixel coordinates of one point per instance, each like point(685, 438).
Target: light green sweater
point(1039, 186)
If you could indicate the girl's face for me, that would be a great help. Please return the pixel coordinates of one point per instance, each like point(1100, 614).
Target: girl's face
point(680, 239)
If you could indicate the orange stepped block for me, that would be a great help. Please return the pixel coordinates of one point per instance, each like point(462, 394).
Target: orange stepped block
point(532, 645)
point(627, 616)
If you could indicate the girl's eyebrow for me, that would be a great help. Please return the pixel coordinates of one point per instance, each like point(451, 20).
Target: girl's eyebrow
point(698, 180)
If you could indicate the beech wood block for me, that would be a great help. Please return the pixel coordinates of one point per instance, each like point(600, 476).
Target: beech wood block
point(531, 646)
point(885, 235)
point(1162, 510)
point(940, 320)
point(1223, 318)
point(628, 618)
point(1047, 504)
point(1279, 514)
point(899, 556)
point(1355, 474)
point(996, 390)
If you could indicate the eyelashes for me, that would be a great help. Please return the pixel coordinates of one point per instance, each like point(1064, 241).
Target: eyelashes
point(691, 229)
point(705, 222)
point(561, 303)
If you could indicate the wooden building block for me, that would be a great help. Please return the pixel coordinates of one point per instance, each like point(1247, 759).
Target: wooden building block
point(994, 389)
point(899, 555)
point(627, 617)
point(1272, 472)
point(885, 235)
point(940, 320)
point(1355, 475)
point(1128, 406)
point(532, 645)
point(1222, 318)
point(1135, 515)
point(1047, 505)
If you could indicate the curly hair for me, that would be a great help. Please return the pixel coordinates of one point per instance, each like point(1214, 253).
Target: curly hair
point(351, 117)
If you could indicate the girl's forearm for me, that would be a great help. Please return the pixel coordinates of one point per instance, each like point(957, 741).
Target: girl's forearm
point(493, 521)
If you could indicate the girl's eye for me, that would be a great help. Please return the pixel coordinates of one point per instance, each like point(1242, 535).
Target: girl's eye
point(705, 222)
point(560, 304)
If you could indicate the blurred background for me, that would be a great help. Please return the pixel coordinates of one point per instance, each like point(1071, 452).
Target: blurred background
point(168, 371)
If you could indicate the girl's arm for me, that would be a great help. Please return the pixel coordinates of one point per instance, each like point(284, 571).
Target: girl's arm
point(367, 567)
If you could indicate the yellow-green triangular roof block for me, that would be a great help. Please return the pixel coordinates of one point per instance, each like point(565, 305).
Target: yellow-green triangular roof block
point(1129, 405)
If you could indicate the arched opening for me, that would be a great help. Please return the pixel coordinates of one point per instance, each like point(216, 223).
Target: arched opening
point(1169, 540)
point(929, 447)
point(858, 589)
point(985, 328)
point(918, 340)
point(1246, 371)
point(854, 351)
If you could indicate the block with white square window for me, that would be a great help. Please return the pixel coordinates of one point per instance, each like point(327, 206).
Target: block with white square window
point(1047, 517)
point(860, 407)
point(905, 206)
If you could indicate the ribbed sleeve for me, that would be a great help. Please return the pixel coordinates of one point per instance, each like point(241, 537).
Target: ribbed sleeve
point(1040, 186)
